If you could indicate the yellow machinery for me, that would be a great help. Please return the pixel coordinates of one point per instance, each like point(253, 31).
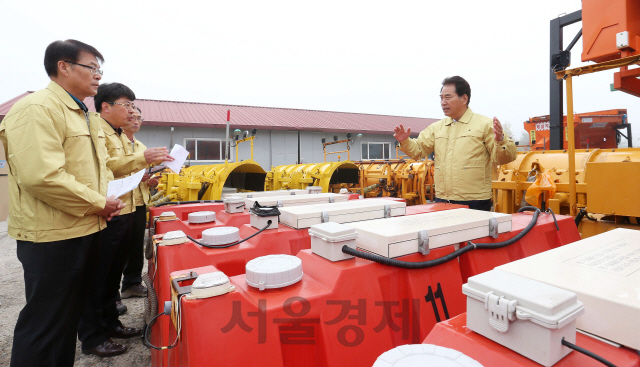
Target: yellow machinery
point(408, 179)
point(331, 176)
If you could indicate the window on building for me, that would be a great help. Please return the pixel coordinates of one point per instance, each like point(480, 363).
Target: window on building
point(375, 150)
point(205, 149)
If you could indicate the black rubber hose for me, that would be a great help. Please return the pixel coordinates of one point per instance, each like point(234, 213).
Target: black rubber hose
point(229, 244)
point(189, 202)
point(587, 353)
point(431, 263)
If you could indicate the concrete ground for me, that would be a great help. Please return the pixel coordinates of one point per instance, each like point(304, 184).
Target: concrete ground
point(12, 300)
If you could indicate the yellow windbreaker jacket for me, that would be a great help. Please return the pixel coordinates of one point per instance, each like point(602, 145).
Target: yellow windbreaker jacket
point(141, 193)
point(465, 154)
point(122, 161)
point(57, 167)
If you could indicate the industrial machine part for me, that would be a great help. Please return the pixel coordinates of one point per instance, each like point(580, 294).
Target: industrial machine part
point(599, 129)
point(604, 185)
point(331, 176)
point(408, 179)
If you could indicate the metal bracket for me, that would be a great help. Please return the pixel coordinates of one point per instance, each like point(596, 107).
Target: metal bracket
point(332, 199)
point(325, 216)
point(501, 311)
point(423, 242)
point(493, 228)
point(387, 210)
point(249, 196)
point(279, 204)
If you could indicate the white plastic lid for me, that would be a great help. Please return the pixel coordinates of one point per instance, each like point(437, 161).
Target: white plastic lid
point(167, 215)
point(209, 280)
point(333, 232)
point(202, 217)
point(220, 235)
point(172, 235)
point(233, 199)
point(273, 271)
point(344, 190)
point(420, 355)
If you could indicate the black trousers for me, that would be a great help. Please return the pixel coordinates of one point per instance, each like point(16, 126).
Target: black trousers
point(57, 281)
point(132, 273)
point(472, 204)
point(100, 314)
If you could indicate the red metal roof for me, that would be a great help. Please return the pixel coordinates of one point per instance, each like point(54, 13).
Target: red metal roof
point(190, 114)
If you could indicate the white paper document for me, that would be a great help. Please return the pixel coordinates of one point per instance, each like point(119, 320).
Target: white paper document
point(179, 155)
point(124, 185)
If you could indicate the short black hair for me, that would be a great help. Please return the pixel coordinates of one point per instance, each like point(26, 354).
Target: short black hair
point(109, 92)
point(462, 87)
point(66, 50)
point(139, 110)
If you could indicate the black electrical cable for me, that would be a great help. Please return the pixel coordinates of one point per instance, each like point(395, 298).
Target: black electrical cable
point(189, 202)
point(229, 244)
point(587, 353)
point(430, 263)
point(175, 342)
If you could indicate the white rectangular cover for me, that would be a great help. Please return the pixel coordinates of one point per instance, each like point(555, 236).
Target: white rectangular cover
point(344, 212)
point(524, 315)
point(295, 200)
point(604, 271)
point(257, 194)
point(395, 237)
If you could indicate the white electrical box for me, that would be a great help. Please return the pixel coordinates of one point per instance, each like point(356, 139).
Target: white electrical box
point(344, 212)
point(234, 204)
point(328, 238)
point(526, 316)
point(295, 200)
point(314, 189)
point(201, 217)
point(418, 233)
point(260, 222)
point(258, 194)
point(604, 271)
point(622, 40)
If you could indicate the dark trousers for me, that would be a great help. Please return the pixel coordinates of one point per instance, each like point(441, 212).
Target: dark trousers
point(132, 273)
point(100, 314)
point(57, 281)
point(472, 204)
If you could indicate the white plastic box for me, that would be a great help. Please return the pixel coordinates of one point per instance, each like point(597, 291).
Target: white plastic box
point(344, 212)
point(526, 316)
point(328, 238)
point(234, 204)
point(604, 271)
point(260, 222)
point(257, 194)
point(295, 200)
point(314, 189)
point(401, 236)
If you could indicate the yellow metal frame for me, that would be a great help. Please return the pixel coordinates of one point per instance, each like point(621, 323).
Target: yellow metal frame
point(237, 142)
point(348, 141)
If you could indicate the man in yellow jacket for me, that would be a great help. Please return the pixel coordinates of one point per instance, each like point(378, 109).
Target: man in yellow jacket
point(57, 186)
point(99, 322)
point(466, 145)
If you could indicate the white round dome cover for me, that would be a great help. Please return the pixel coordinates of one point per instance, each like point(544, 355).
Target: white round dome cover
point(273, 271)
point(167, 215)
point(209, 280)
point(220, 235)
point(419, 355)
point(202, 217)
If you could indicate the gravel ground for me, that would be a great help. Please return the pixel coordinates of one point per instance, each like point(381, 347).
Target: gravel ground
point(12, 300)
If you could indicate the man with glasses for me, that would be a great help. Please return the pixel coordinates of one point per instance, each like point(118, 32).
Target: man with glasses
point(57, 186)
point(466, 145)
point(132, 275)
point(99, 322)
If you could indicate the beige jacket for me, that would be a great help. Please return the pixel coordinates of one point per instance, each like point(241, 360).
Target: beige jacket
point(141, 193)
point(465, 154)
point(122, 161)
point(57, 167)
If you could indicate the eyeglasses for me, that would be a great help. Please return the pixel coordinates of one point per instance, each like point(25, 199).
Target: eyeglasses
point(139, 119)
point(127, 105)
point(94, 70)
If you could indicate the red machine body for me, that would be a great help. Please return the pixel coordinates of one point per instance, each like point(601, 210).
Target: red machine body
point(454, 334)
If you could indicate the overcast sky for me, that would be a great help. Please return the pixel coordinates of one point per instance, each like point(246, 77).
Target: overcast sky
point(352, 56)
